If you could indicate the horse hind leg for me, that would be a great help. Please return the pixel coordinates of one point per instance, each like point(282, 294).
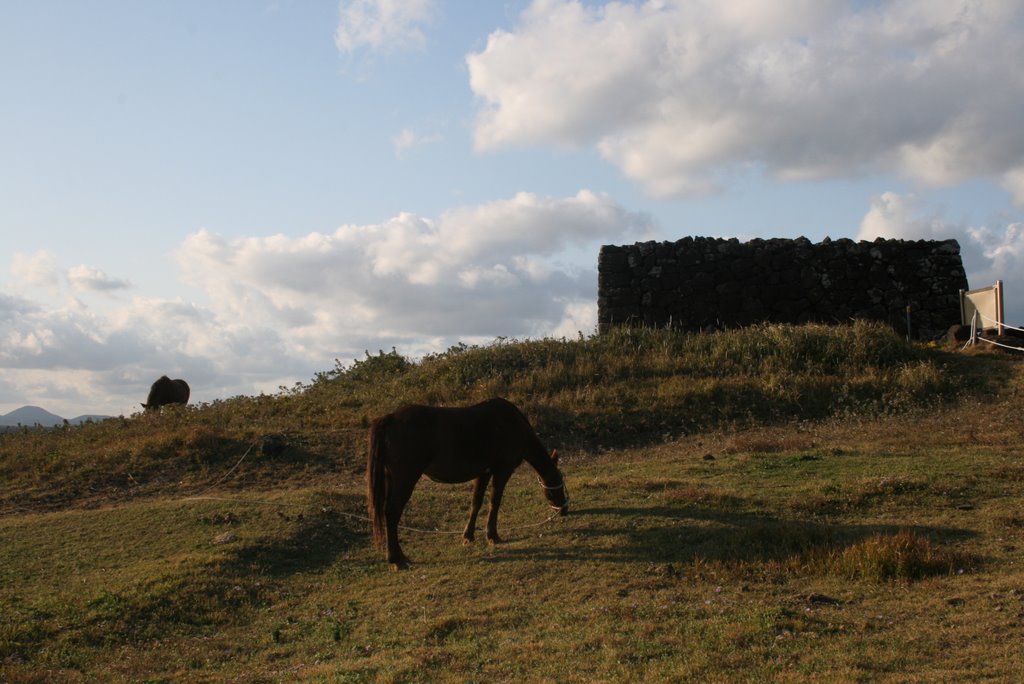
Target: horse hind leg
point(497, 491)
point(398, 496)
point(479, 487)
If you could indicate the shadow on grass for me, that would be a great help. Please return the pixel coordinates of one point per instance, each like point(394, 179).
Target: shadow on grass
point(634, 422)
point(666, 534)
point(186, 598)
point(317, 541)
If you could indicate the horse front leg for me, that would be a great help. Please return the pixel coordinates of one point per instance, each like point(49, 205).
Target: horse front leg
point(497, 490)
point(479, 487)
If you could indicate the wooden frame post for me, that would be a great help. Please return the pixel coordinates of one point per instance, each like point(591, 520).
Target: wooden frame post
point(1000, 316)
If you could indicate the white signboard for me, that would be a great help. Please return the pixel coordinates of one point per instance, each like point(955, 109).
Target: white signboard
point(987, 302)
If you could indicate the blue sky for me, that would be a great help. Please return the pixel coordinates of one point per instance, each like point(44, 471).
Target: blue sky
point(240, 193)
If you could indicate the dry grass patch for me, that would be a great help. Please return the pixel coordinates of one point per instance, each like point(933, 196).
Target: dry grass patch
point(772, 441)
point(863, 495)
point(904, 556)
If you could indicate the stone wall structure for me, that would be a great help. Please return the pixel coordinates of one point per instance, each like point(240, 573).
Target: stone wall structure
point(699, 283)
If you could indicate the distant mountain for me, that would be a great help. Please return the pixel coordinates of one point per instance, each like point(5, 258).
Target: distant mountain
point(33, 415)
point(87, 418)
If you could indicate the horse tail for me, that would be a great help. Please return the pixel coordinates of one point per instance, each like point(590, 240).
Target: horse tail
point(376, 486)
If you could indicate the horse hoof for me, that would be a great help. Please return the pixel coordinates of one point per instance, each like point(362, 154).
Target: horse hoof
point(494, 540)
point(466, 541)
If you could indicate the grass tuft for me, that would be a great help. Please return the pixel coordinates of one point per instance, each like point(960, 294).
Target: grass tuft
point(903, 556)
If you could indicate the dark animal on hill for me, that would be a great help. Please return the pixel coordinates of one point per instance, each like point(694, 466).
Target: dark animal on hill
point(166, 391)
point(484, 443)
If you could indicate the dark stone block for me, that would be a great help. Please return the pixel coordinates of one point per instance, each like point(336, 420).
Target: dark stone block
point(695, 282)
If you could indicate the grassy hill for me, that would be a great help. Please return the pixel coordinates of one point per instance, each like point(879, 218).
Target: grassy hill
point(777, 502)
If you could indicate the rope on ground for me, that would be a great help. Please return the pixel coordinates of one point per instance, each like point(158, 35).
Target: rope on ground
point(199, 496)
point(986, 319)
point(353, 516)
point(254, 502)
point(975, 336)
point(1000, 344)
point(202, 496)
point(227, 474)
point(459, 532)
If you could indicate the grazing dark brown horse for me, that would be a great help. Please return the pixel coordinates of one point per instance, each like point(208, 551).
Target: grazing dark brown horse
point(166, 391)
point(483, 443)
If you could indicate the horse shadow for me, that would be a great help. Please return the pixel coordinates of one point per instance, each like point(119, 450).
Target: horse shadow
point(319, 537)
point(615, 534)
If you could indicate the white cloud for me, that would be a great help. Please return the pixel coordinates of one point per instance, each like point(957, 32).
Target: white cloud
point(681, 94)
point(382, 25)
point(283, 307)
point(472, 271)
point(989, 254)
point(86, 278)
point(579, 317)
point(408, 139)
point(1004, 249)
point(39, 269)
point(495, 276)
point(12, 306)
point(897, 217)
point(73, 361)
point(1013, 183)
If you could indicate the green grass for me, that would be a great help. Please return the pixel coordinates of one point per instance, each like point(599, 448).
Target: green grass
point(625, 389)
point(834, 505)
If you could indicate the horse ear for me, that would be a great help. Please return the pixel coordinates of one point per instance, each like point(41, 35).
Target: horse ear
point(554, 456)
